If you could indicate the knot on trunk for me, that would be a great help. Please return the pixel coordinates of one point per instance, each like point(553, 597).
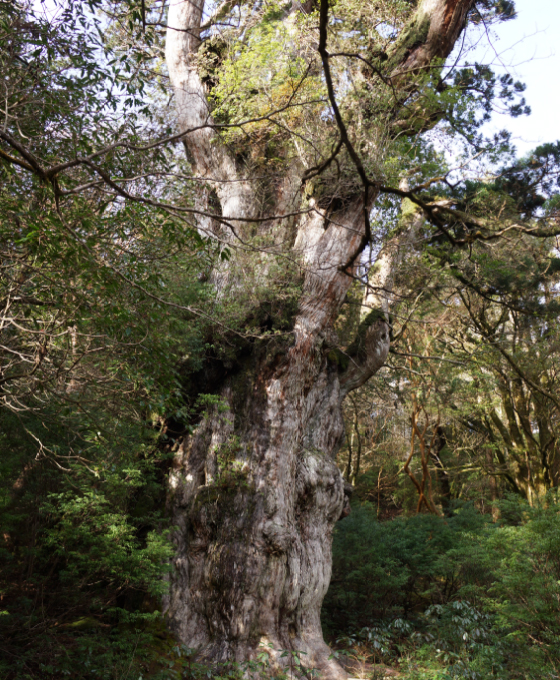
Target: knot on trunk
point(319, 485)
point(369, 355)
point(278, 538)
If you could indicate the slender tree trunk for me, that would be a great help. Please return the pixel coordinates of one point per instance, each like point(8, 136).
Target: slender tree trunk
point(442, 475)
point(348, 473)
point(493, 483)
point(255, 489)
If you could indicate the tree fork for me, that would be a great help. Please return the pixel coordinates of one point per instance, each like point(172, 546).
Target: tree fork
point(254, 491)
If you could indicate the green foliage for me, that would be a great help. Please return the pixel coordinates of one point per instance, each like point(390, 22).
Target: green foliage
point(460, 597)
point(262, 71)
point(402, 562)
point(82, 545)
point(94, 542)
point(95, 294)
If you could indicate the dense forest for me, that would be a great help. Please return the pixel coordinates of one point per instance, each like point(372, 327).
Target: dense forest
point(279, 345)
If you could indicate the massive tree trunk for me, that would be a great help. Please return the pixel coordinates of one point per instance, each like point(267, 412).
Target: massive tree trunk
point(255, 489)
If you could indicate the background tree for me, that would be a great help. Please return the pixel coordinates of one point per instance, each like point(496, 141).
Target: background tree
point(476, 348)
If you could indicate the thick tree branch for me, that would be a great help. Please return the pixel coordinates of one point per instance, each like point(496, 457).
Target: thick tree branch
point(367, 353)
point(208, 155)
point(431, 34)
point(322, 49)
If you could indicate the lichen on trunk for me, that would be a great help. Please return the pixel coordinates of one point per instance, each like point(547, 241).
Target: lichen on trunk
point(255, 492)
point(255, 524)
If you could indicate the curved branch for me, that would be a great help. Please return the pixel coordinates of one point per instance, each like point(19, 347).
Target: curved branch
point(368, 353)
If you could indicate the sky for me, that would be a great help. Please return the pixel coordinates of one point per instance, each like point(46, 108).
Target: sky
point(528, 47)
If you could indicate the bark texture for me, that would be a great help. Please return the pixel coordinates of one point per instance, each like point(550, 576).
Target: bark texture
point(255, 490)
point(431, 35)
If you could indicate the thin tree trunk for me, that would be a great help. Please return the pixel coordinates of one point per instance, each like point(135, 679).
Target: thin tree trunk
point(441, 473)
point(493, 483)
point(348, 474)
point(356, 437)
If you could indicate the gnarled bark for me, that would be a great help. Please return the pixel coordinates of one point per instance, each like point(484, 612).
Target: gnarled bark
point(255, 490)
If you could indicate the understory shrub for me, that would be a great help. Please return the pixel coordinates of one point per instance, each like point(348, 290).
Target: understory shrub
point(455, 597)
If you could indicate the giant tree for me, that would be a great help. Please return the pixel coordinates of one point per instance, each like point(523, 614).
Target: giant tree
point(294, 117)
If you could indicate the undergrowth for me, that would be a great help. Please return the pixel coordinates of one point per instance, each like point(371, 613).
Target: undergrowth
point(456, 597)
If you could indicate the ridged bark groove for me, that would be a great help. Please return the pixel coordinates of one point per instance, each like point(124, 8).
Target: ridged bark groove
point(255, 492)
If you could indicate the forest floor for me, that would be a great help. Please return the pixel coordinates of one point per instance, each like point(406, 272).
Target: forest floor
point(362, 670)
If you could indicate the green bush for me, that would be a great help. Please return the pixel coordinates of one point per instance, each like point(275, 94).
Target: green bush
point(84, 551)
point(391, 569)
point(457, 597)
